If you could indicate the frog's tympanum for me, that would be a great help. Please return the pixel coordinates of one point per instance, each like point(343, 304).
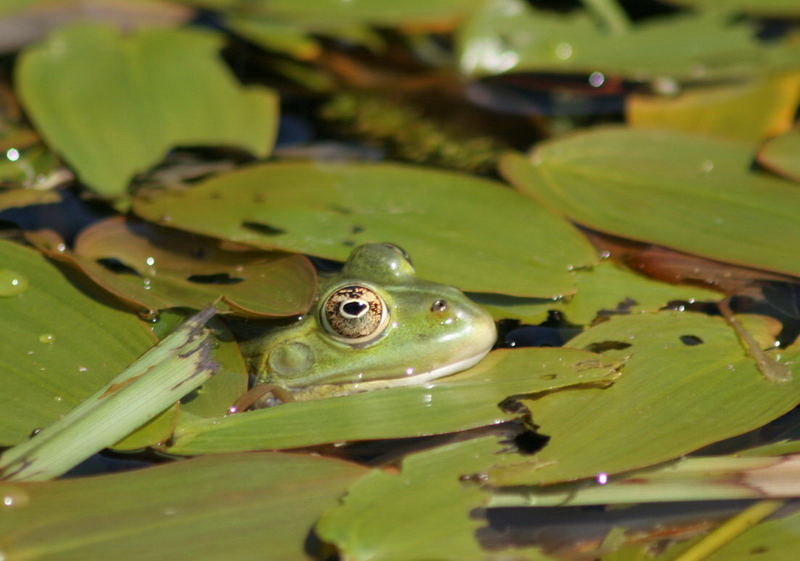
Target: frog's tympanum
point(374, 325)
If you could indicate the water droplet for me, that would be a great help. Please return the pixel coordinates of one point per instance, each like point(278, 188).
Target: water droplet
point(707, 166)
point(47, 338)
point(563, 51)
point(12, 154)
point(82, 369)
point(12, 283)
point(597, 79)
point(58, 398)
point(170, 511)
point(150, 261)
point(13, 497)
point(146, 283)
point(602, 478)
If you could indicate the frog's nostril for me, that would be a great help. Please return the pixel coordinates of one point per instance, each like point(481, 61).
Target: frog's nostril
point(439, 306)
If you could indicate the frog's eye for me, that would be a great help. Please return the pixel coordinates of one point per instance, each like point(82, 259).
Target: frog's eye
point(354, 314)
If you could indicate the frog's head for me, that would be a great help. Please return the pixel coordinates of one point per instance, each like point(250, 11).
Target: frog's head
point(377, 325)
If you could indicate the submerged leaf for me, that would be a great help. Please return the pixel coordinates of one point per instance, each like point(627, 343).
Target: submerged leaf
point(688, 192)
point(450, 223)
point(113, 106)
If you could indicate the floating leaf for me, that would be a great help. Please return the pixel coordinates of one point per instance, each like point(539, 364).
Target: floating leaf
point(687, 383)
point(467, 400)
point(751, 111)
point(774, 8)
point(163, 269)
point(691, 193)
point(164, 374)
point(605, 290)
point(773, 540)
point(425, 508)
point(12, 198)
point(136, 97)
point(448, 222)
point(58, 346)
point(782, 155)
point(508, 35)
point(236, 508)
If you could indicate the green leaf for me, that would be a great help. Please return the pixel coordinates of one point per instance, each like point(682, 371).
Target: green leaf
point(687, 383)
point(59, 345)
point(450, 223)
point(113, 105)
point(509, 36)
point(160, 377)
point(243, 507)
point(773, 540)
point(606, 289)
point(773, 8)
point(782, 155)
point(424, 512)
point(692, 193)
point(467, 400)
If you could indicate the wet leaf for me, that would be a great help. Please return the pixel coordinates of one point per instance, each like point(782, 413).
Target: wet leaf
point(509, 36)
point(448, 222)
point(605, 290)
point(687, 383)
point(12, 198)
point(772, 540)
point(155, 268)
point(59, 345)
point(691, 193)
point(138, 96)
point(782, 155)
point(243, 507)
point(424, 508)
point(752, 111)
point(467, 400)
point(774, 8)
point(177, 365)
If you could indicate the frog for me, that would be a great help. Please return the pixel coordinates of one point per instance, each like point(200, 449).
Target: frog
point(374, 325)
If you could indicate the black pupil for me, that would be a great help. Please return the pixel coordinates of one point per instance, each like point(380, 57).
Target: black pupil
point(354, 308)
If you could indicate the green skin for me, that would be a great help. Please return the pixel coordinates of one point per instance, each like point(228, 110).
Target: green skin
point(420, 341)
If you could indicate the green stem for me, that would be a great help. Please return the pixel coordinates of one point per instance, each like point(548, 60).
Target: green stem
point(610, 14)
point(730, 529)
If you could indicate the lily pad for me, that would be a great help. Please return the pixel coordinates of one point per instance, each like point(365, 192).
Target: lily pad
point(113, 105)
point(12, 198)
point(467, 400)
point(163, 268)
point(772, 540)
point(509, 36)
point(59, 345)
point(685, 376)
point(424, 508)
point(604, 290)
point(688, 192)
point(448, 222)
point(758, 109)
point(782, 155)
point(238, 507)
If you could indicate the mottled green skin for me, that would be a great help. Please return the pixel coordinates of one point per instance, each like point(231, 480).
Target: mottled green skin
point(305, 359)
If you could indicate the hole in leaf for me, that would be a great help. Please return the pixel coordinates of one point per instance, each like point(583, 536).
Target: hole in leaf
point(603, 346)
point(265, 229)
point(691, 340)
point(220, 278)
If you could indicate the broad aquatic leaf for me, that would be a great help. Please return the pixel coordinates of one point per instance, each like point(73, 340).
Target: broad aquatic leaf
point(687, 383)
point(13, 198)
point(772, 540)
point(753, 111)
point(605, 290)
point(509, 36)
point(448, 222)
point(243, 507)
point(467, 400)
point(692, 193)
point(425, 511)
point(113, 106)
point(151, 385)
point(782, 155)
point(58, 346)
point(165, 269)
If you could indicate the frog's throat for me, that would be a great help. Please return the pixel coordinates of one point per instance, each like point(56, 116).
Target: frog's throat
point(331, 390)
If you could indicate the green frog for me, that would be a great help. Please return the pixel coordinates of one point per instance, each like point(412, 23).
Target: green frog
point(374, 325)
